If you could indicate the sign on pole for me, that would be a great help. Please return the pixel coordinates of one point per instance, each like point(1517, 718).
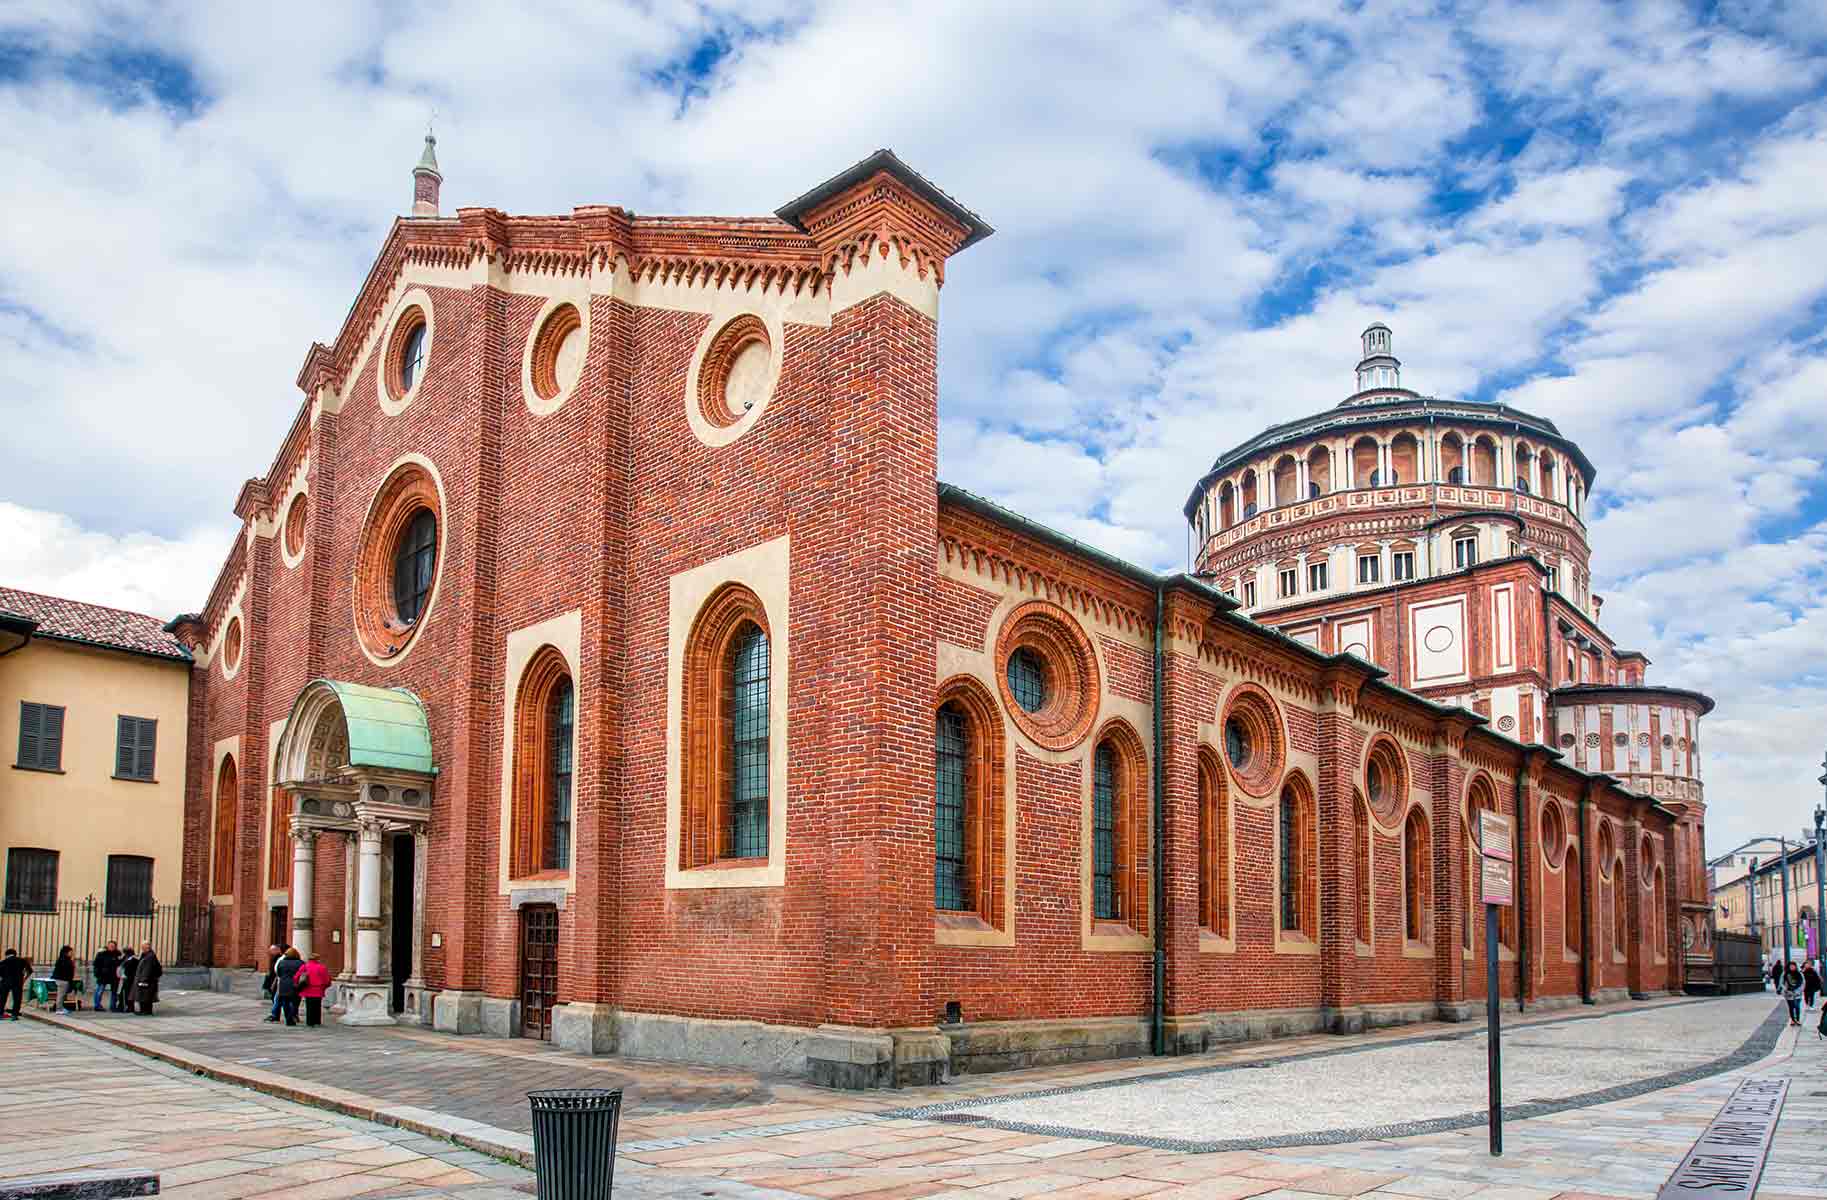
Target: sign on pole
point(1497, 887)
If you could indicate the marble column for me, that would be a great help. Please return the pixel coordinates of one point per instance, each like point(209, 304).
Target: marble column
point(368, 995)
point(304, 875)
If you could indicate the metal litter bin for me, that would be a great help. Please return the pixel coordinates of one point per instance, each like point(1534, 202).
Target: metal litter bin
point(574, 1141)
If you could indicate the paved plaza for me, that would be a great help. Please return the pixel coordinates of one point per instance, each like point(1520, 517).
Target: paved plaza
point(1620, 1094)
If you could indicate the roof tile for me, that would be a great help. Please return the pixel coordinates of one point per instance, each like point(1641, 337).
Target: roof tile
point(92, 624)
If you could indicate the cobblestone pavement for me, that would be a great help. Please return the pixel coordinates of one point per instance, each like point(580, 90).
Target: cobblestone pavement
point(808, 1142)
point(74, 1104)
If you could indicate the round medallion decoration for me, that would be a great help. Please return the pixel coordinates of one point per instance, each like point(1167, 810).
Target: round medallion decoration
point(1667, 742)
point(231, 648)
point(1642, 739)
point(1592, 741)
point(1621, 739)
point(1438, 639)
point(1049, 675)
point(1256, 744)
point(1567, 740)
point(556, 361)
point(297, 514)
point(1506, 723)
point(1386, 780)
point(396, 566)
point(737, 373)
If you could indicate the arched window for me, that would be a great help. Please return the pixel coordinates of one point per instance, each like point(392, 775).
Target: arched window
point(1297, 859)
point(968, 813)
point(1572, 905)
point(1119, 838)
point(222, 873)
point(414, 562)
point(1319, 470)
point(1214, 846)
point(1365, 458)
point(412, 357)
point(951, 758)
point(1417, 876)
point(1404, 459)
point(1285, 477)
point(279, 836)
point(1452, 458)
point(1658, 919)
point(728, 712)
point(545, 719)
point(1361, 836)
point(1455, 474)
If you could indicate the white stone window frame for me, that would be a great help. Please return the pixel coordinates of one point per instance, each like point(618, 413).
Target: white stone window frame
point(765, 569)
point(579, 299)
point(721, 317)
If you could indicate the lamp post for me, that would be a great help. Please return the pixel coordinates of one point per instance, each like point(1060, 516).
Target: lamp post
point(1783, 869)
point(1820, 880)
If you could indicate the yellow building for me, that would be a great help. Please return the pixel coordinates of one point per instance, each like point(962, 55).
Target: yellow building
point(94, 713)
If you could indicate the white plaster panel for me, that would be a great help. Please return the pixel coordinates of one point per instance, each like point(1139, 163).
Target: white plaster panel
point(1439, 649)
point(1356, 635)
point(1503, 626)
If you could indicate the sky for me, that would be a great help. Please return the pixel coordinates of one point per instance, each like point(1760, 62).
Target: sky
point(1614, 217)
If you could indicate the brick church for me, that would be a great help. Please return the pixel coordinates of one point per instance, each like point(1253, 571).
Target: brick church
point(602, 660)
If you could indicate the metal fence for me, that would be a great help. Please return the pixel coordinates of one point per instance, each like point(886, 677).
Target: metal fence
point(179, 933)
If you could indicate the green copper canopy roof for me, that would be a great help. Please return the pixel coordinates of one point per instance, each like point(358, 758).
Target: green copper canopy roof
point(387, 726)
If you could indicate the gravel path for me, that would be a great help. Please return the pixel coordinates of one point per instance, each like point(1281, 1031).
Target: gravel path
point(1400, 1084)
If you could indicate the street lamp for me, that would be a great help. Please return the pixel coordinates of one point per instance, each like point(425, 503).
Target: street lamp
point(1820, 880)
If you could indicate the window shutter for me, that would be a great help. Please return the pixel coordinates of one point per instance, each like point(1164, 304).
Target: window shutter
point(148, 747)
point(126, 736)
point(50, 747)
point(31, 732)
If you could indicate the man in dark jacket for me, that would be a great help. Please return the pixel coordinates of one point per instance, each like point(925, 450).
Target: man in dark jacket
point(107, 966)
point(286, 981)
point(146, 979)
point(13, 972)
point(123, 996)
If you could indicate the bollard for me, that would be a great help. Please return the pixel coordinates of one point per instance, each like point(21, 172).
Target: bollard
point(574, 1141)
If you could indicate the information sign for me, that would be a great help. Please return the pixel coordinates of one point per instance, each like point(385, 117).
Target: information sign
point(1497, 881)
point(1494, 837)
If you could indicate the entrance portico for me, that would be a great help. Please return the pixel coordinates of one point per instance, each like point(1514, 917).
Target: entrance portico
point(355, 761)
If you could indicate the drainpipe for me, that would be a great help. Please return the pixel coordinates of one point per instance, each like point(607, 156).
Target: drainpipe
point(1158, 1013)
point(21, 628)
point(1522, 885)
point(1587, 867)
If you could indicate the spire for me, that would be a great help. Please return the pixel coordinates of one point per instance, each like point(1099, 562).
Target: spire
point(425, 180)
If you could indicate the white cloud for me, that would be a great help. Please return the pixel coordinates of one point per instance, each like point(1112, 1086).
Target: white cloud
point(48, 552)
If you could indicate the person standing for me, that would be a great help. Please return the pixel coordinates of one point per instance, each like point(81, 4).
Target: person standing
point(1776, 974)
point(63, 973)
point(1792, 993)
point(269, 986)
point(1811, 982)
point(123, 996)
point(313, 981)
point(107, 967)
point(13, 973)
point(285, 980)
point(146, 979)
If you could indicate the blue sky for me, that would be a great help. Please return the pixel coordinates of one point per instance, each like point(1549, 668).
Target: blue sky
point(1615, 217)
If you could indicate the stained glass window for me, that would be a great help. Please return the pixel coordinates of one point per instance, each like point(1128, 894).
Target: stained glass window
point(1105, 901)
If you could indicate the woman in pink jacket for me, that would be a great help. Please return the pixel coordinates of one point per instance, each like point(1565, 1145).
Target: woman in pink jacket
point(313, 982)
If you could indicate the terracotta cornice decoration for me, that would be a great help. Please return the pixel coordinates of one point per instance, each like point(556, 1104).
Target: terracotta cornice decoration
point(882, 206)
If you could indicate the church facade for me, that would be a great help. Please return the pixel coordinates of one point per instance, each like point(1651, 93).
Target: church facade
point(602, 660)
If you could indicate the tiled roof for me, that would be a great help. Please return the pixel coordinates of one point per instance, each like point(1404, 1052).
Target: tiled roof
point(74, 621)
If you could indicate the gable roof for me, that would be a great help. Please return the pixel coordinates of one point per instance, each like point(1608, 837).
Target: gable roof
point(92, 624)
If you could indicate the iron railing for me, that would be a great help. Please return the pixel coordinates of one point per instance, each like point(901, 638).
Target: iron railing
point(179, 933)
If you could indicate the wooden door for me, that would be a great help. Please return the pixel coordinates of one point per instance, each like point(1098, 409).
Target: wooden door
point(538, 969)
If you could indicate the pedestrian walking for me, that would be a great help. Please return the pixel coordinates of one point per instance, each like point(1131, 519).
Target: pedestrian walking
point(1776, 974)
point(285, 981)
point(146, 979)
point(1811, 982)
point(63, 974)
point(313, 981)
point(269, 987)
point(130, 963)
point(107, 966)
point(1792, 994)
point(13, 973)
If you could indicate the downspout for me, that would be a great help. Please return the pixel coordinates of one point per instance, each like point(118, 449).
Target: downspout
point(1522, 884)
point(1158, 1013)
point(1587, 868)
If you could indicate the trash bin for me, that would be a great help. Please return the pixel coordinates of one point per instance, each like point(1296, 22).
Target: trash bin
point(574, 1141)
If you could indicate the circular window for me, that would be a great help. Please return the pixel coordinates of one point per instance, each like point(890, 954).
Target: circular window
point(1621, 739)
point(1049, 678)
point(1668, 741)
point(295, 518)
point(1566, 741)
point(1259, 734)
point(1385, 780)
point(1027, 680)
point(558, 353)
point(231, 648)
point(397, 565)
point(405, 364)
point(1554, 833)
point(737, 373)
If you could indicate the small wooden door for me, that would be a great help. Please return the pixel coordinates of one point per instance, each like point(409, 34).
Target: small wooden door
point(280, 932)
point(538, 969)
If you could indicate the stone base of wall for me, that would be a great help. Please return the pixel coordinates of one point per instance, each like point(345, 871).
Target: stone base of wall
point(455, 1011)
point(1010, 1045)
point(753, 1045)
